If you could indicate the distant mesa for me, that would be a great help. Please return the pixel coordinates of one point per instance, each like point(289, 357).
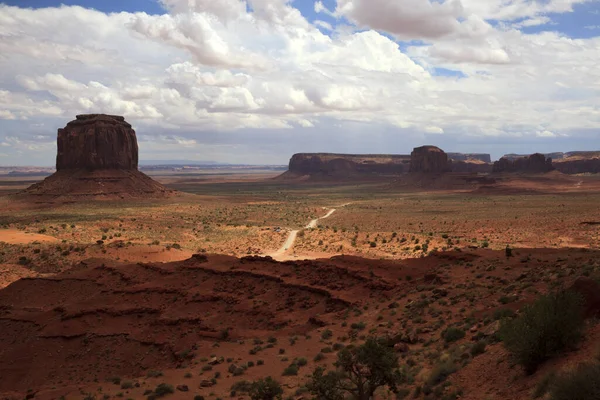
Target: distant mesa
point(572, 162)
point(429, 159)
point(535, 163)
point(433, 160)
point(470, 157)
point(345, 165)
point(97, 158)
point(577, 162)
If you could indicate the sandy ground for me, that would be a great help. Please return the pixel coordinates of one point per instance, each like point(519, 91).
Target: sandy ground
point(14, 236)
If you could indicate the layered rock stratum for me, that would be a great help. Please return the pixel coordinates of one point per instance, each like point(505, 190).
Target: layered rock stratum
point(482, 157)
point(429, 159)
point(97, 157)
point(535, 163)
point(97, 141)
point(346, 165)
point(578, 162)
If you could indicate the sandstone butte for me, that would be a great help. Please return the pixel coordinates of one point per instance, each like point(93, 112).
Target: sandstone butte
point(534, 163)
point(429, 159)
point(97, 141)
point(97, 158)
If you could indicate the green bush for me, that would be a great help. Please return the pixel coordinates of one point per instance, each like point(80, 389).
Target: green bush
point(478, 348)
point(581, 384)
point(502, 313)
point(440, 372)
point(161, 391)
point(291, 370)
point(360, 371)
point(550, 325)
point(301, 362)
point(542, 386)
point(266, 389)
point(453, 334)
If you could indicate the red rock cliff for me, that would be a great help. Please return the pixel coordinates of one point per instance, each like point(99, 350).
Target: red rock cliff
point(535, 163)
point(97, 141)
point(429, 159)
point(339, 165)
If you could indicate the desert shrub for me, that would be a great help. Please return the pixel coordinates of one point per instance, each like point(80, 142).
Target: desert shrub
point(502, 313)
point(327, 334)
point(301, 362)
point(440, 372)
point(583, 383)
point(452, 334)
point(359, 326)
point(265, 389)
point(553, 323)
point(291, 370)
point(360, 372)
point(541, 388)
point(127, 385)
point(478, 348)
point(161, 391)
point(241, 386)
point(319, 357)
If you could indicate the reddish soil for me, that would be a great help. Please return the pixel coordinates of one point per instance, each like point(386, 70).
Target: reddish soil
point(70, 333)
point(15, 236)
point(108, 184)
point(97, 320)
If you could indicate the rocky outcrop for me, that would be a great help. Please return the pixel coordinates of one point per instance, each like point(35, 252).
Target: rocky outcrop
point(535, 163)
point(485, 158)
point(97, 158)
point(429, 159)
point(578, 162)
point(346, 165)
point(97, 141)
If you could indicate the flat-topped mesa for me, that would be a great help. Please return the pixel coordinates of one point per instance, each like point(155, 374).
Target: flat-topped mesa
point(535, 163)
point(95, 142)
point(345, 165)
point(429, 159)
point(483, 157)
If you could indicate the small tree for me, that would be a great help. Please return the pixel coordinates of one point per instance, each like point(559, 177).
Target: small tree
point(326, 386)
point(551, 324)
point(265, 389)
point(360, 372)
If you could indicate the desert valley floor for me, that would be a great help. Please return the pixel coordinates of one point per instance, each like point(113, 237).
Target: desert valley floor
point(242, 276)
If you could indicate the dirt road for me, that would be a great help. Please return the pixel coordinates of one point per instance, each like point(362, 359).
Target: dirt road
point(281, 254)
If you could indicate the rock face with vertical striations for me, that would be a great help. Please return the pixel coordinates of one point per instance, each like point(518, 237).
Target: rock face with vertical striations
point(97, 158)
point(535, 163)
point(342, 166)
point(429, 159)
point(97, 141)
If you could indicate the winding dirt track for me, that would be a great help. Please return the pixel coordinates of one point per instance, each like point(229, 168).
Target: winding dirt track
point(281, 254)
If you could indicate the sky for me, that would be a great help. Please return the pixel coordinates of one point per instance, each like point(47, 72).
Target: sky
point(255, 81)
